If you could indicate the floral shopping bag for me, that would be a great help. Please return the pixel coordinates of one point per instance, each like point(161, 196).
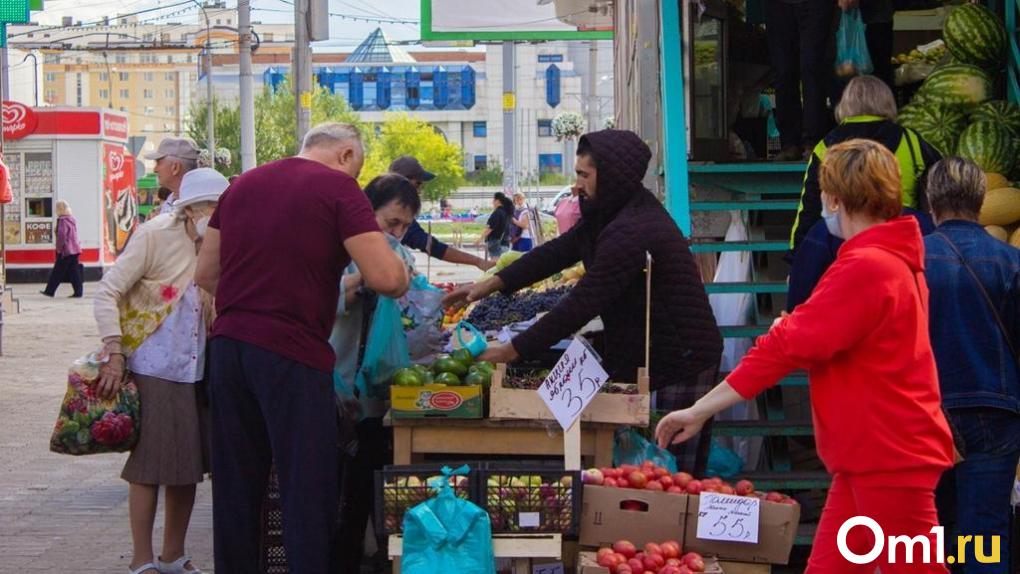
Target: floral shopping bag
point(88, 424)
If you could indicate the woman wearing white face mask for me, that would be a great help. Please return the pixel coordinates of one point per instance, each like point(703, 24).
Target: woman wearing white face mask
point(153, 320)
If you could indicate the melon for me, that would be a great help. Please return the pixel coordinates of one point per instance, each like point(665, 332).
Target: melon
point(998, 111)
point(989, 145)
point(1001, 207)
point(956, 85)
point(995, 181)
point(939, 125)
point(998, 232)
point(975, 35)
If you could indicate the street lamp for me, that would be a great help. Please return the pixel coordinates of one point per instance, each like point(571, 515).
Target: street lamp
point(210, 112)
point(35, 75)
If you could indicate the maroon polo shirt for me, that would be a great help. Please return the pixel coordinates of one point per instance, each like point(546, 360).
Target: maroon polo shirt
point(282, 228)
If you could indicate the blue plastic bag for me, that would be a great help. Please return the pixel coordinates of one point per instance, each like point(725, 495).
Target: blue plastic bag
point(632, 448)
point(852, 57)
point(723, 462)
point(385, 351)
point(447, 534)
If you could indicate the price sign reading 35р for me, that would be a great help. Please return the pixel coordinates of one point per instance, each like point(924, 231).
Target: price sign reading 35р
point(573, 382)
point(728, 518)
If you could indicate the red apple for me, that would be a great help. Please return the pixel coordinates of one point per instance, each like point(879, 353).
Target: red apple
point(674, 562)
point(622, 569)
point(676, 490)
point(637, 479)
point(694, 561)
point(670, 549)
point(593, 476)
point(774, 497)
point(653, 548)
point(649, 473)
point(610, 482)
point(727, 489)
point(610, 472)
point(685, 570)
point(653, 562)
point(620, 558)
point(649, 572)
point(681, 479)
point(745, 488)
point(622, 482)
point(694, 487)
point(667, 481)
point(660, 472)
point(636, 565)
point(626, 469)
point(668, 569)
point(647, 464)
point(604, 552)
point(607, 560)
point(625, 547)
point(654, 485)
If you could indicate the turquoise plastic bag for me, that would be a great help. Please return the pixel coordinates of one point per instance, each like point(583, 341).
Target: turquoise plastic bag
point(723, 462)
point(385, 351)
point(447, 534)
point(852, 57)
point(632, 448)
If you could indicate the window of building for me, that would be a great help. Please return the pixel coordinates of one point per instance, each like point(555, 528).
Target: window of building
point(191, 58)
point(480, 129)
point(51, 96)
point(104, 77)
point(171, 110)
point(104, 95)
point(147, 94)
point(124, 76)
point(149, 37)
point(481, 162)
point(51, 77)
point(267, 37)
point(149, 110)
point(78, 89)
point(168, 127)
point(170, 59)
point(51, 58)
point(149, 77)
point(171, 93)
point(125, 94)
point(550, 163)
point(123, 109)
point(170, 77)
point(218, 23)
point(164, 38)
point(545, 128)
point(120, 58)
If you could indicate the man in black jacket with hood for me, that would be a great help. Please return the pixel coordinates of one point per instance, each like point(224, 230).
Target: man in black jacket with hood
point(621, 224)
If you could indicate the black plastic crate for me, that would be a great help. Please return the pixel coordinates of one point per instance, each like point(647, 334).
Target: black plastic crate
point(400, 488)
point(273, 558)
point(531, 497)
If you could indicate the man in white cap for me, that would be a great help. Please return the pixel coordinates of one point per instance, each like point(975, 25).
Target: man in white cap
point(174, 157)
point(418, 238)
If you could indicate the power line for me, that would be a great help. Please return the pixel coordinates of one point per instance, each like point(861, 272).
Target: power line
point(358, 18)
point(103, 22)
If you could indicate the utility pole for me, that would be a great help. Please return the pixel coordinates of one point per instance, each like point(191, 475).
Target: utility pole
point(210, 107)
point(509, 115)
point(247, 86)
point(302, 69)
point(593, 86)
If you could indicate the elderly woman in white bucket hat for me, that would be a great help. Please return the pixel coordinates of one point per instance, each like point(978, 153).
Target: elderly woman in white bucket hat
point(153, 321)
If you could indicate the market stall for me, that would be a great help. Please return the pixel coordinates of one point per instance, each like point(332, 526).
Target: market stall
point(95, 176)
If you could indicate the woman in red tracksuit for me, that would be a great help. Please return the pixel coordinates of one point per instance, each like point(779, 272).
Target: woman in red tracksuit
point(863, 338)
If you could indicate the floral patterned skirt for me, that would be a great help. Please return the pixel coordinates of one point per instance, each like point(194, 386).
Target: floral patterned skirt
point(171, 447)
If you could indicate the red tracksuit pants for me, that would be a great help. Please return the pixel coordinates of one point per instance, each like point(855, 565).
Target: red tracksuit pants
point(900, 504)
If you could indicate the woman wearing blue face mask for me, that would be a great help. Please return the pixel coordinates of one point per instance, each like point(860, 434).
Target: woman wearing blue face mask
point(396, 203)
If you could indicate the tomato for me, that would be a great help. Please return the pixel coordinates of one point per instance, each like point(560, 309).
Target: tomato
point(637, 479)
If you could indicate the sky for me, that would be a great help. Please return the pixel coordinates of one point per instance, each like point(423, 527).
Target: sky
point(345, 33)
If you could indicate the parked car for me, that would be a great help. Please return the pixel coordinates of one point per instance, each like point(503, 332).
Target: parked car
point(549, 205)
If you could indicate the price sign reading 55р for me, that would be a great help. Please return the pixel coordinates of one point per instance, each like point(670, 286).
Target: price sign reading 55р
point(728, 518)
point(573, 382)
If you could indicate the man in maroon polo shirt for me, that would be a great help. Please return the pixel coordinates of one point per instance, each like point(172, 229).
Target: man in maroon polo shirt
point(273, 255)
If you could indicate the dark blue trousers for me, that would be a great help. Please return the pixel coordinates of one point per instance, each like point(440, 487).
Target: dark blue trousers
point(267, 409)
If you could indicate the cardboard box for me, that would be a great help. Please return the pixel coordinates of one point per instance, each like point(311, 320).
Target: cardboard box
point(745, 568)
point(652, 516)
point(777, 529)
point(436, 401)
point(586, 564)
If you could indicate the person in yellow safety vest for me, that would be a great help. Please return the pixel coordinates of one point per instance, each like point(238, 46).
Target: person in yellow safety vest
point(867, 110)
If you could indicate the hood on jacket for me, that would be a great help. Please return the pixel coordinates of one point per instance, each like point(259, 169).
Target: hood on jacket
point(900, 236)
point(621, 160)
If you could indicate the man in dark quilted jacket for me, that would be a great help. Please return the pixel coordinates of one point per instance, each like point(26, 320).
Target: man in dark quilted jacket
point(621, 223)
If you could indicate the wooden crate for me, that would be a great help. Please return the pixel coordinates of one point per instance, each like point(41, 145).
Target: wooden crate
point(505, 403)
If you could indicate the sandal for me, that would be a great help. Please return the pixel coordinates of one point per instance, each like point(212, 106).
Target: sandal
point(144, 568)
point(177, 566)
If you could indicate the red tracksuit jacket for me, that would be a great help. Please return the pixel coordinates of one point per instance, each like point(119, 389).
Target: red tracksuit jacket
point(863, 338)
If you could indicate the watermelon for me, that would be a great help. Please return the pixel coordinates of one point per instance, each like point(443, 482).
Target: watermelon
point(939, 125)
point(956, 85)
point(975, 35)
point(999, 112)
point(989, 145)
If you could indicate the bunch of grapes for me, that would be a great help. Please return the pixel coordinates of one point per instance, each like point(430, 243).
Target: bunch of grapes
point(496, 312)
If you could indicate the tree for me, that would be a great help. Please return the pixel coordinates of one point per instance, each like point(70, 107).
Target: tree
point(401, 135)
point(275, 124)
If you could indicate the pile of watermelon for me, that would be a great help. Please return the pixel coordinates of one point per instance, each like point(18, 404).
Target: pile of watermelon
point(955, 110)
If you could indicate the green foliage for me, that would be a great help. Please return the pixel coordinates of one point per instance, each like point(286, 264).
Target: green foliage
point(228, 131)
point(402, 135)
point(553, 179)
point(491, 176)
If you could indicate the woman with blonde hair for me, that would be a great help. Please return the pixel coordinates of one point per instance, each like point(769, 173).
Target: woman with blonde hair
point(867, 110)
point(66, 266)
point(863, 338)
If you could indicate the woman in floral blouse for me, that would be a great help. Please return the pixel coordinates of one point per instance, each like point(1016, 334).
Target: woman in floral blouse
point(153, 320)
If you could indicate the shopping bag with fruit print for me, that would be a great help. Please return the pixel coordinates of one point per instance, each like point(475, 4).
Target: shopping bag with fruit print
point(89, 424)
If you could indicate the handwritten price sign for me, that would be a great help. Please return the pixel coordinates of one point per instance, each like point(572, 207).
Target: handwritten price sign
point(573, 382)
point(728, 518)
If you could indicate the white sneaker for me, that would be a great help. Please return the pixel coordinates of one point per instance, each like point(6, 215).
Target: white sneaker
point(176, 567)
